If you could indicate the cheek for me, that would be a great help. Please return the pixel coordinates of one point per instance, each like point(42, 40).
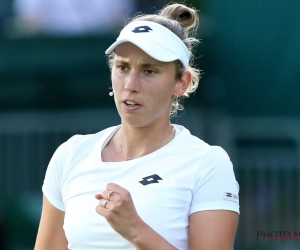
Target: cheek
point(117, 87)
point(113, 77)
point(165, 87)
point(116, 81)
point(162, 93)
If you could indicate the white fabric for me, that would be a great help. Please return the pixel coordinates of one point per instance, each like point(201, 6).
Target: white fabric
point(194, 176)
point(156, 40)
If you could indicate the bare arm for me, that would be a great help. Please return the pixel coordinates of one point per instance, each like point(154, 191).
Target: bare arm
point(213, 230)
point(51, 234)
point(148, 239)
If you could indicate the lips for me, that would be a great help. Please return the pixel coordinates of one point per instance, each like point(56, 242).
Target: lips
point(130, 100)
point(131, 104)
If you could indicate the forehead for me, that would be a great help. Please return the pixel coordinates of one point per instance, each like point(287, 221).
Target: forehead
point(131, 53)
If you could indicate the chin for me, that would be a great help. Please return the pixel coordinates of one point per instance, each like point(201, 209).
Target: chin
point(136, 122)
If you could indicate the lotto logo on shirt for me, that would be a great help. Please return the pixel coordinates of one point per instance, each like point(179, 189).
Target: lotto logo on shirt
point(150, 179)
point(231, 197)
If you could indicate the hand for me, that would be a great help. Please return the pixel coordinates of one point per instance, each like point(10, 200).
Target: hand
point(119, 211)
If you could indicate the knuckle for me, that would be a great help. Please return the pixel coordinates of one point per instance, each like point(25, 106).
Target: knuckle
point(119, 203)
point(118, 198)
point(127, 196)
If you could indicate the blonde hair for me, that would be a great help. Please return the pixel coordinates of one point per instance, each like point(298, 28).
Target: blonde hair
point(183, 21)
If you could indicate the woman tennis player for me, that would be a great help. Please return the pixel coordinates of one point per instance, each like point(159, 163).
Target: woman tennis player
point(145, 184)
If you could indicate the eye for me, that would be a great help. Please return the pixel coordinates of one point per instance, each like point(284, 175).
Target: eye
point(122, 68)
point(150, 72)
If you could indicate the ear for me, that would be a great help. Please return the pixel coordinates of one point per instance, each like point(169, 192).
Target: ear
point(183, 83)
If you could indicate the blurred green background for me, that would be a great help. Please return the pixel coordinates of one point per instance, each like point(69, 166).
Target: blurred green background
point(54, 82)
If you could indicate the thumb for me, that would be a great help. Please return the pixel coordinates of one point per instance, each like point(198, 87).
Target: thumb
point(98, 196)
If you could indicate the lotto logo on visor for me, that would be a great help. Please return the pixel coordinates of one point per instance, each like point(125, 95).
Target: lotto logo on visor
point(154, 39)
point(141, 29)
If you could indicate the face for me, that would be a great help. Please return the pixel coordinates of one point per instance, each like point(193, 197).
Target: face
point(143, 87)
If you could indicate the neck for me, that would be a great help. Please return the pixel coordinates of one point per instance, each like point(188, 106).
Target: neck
point(139, 141)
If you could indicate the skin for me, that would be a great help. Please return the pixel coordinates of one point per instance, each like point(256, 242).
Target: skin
point(135, 75)
point(151, 83)
point(51, 234)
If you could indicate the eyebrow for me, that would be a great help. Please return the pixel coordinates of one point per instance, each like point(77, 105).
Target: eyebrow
point(121, 61)
point(144, 65)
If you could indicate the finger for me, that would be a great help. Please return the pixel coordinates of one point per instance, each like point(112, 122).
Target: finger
point(109, 195)
point(104, 194)
point(105, 204)
point(106, 211)
point(120, 192)
point(114, 187)
point(98, 196)
point(101, 210)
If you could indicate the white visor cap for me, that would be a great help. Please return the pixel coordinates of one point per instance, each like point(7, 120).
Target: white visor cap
point(154, 39)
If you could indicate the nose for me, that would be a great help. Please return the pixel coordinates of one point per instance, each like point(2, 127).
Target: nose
point(132, 81)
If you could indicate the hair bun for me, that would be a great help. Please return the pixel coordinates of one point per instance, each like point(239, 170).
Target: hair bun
point(187, 17)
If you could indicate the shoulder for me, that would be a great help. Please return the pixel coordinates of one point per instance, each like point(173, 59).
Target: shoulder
point(79, 140)
point(78, 147)
point(200, 153)
point(188, 142)
point(183, 135)
point(80, 144)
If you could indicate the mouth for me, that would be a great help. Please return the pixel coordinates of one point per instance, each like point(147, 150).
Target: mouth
point(131, 104)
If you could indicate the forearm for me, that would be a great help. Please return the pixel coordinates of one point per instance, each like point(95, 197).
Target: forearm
point(147, 239)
